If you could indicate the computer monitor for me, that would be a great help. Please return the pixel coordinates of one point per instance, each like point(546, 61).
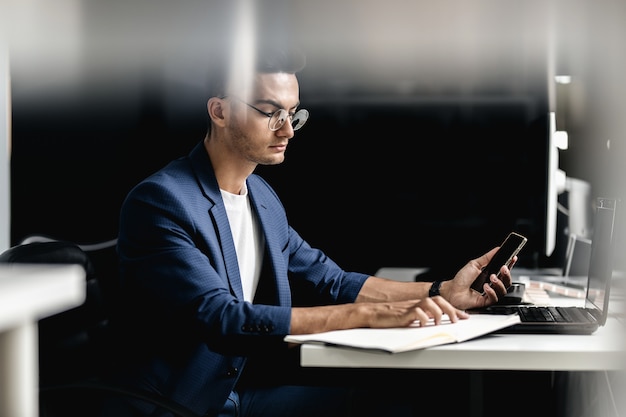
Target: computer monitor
point(5, 149)
point(555, 183)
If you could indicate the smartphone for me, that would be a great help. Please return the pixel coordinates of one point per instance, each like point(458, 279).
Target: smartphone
point(511, 246)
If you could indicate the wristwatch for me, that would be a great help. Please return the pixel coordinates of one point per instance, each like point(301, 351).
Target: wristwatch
point(434, 289)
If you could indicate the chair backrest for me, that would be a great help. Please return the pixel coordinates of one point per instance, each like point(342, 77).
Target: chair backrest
point(72, 344)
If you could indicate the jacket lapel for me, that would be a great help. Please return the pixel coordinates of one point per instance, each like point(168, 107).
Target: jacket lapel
point(272, 245)
point(217, 213)
point(210, 188)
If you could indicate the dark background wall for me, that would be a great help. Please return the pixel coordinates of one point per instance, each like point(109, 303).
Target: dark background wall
point(426, 142)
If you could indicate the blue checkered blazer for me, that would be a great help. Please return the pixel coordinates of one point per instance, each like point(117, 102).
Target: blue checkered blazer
point(186, 328)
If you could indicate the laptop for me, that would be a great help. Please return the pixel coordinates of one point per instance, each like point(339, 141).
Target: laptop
point(575, 320)
point(577, 255)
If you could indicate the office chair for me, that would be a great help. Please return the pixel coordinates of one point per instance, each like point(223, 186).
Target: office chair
point(74, 350)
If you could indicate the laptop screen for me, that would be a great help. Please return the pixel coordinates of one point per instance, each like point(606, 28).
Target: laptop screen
point(601, 260)
point(577, 257)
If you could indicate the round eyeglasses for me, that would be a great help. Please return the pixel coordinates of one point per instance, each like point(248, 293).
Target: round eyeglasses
point(278, 118)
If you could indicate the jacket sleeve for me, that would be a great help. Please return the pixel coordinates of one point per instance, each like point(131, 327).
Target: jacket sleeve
point(314, 278)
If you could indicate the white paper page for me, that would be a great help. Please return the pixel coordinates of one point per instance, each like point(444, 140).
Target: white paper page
point(401, 339)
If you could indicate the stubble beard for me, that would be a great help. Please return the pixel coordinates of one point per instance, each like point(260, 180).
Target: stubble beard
point(244, 145)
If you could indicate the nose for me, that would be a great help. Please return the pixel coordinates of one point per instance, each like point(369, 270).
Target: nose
point(286, 130)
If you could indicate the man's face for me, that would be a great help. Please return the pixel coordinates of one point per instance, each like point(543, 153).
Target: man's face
point(250, 135)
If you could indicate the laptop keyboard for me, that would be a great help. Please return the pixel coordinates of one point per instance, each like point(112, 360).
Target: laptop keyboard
point(544, 314)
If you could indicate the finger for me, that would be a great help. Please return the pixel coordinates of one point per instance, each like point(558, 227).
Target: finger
point(494, 289)
point(500, 284)
point(447, 309)
point(505, 277)
point(422, 317)
point(432, 307)
point(483, 260)
point(490, 293)
point(453, 313)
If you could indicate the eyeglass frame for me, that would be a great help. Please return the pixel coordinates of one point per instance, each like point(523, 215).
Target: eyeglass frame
point(290, 116)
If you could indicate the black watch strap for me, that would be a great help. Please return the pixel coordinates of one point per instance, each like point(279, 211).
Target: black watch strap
point(434, 289)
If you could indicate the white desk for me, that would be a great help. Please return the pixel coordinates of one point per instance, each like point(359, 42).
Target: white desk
point(604, 350)
point(27, 294)
point(584, 394)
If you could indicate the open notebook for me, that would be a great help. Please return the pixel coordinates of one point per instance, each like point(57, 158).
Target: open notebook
point(575, 320)
point(402, 339)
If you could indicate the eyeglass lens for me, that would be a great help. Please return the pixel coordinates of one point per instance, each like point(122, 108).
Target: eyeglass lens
point(279, 118)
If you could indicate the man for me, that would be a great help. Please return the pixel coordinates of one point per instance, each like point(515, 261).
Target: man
point(213, 276)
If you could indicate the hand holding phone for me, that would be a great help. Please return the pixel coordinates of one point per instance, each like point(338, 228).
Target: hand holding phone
point(511, 246)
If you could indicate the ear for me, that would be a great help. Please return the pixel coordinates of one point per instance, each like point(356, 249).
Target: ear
point(217, 111)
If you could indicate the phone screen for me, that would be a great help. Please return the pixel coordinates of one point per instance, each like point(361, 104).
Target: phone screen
point(511, 246)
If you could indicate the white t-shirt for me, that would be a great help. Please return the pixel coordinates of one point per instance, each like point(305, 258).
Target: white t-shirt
point(249, 242)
